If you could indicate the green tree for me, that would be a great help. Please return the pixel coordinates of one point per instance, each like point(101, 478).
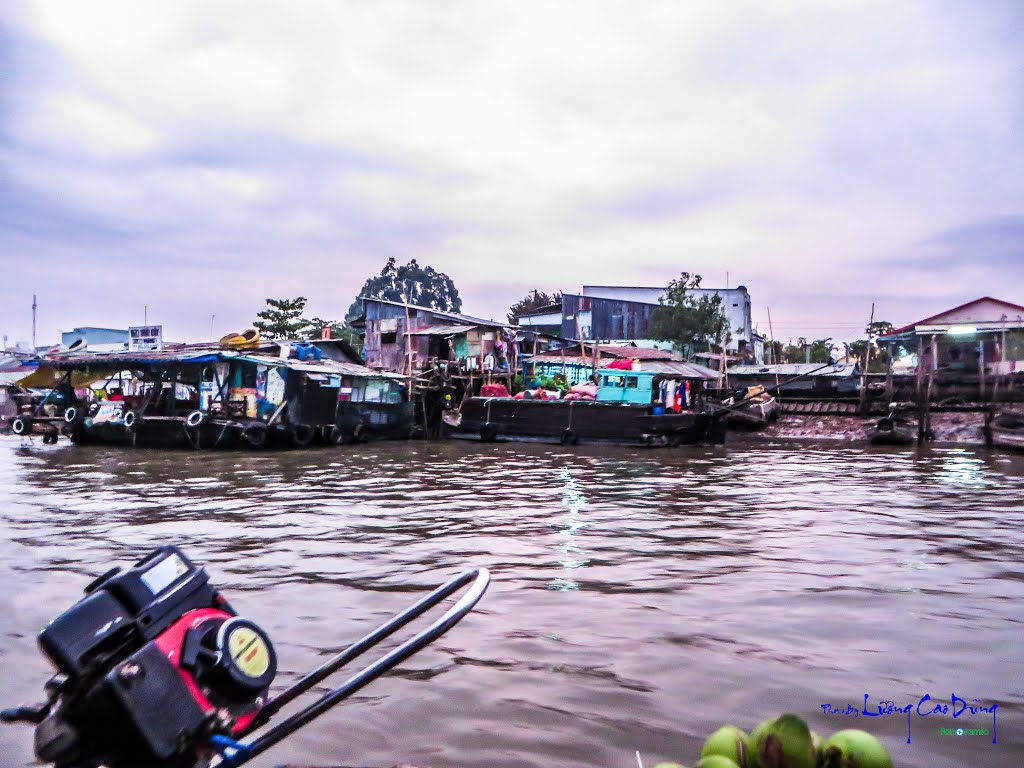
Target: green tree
point(804, 351)
point(282, 319)
point(423, 286)
point(533, 300)
point(879, 355)
point(687, 321)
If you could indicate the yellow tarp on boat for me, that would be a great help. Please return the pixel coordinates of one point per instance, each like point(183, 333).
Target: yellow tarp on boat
point(47, 377)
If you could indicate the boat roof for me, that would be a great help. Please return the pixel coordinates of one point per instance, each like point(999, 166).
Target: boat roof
point(264, 353)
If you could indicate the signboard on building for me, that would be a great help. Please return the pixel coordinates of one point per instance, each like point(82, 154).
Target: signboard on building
point(145, 338)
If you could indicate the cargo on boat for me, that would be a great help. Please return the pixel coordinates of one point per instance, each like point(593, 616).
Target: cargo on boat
point(238, 392)
point(753, 408)
point(661, 405)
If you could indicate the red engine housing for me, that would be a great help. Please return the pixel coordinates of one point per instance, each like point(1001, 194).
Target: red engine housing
point(171, 642)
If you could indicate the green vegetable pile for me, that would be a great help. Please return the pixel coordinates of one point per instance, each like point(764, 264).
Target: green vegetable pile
point(787, 742)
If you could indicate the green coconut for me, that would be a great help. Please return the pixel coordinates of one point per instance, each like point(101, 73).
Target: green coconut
point(854, 748)
point(716, 761)
point(728, 741)
point(755, 736)
point(816, 741)
point(782, 743)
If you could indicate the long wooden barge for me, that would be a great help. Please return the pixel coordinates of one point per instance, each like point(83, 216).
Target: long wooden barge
point(662, 406)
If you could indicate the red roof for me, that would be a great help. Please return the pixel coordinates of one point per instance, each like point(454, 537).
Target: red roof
point(954, 309)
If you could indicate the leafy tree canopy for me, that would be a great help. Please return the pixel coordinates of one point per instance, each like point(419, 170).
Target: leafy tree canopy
point(804, 351)
point(282, 319)
point(879, 356)
point(690, 322)
point(411, 283)
point(533, 300)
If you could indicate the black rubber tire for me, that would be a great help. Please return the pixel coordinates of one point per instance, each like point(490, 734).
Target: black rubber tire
point(569, 438)
point(71, 414)
point(302, 435)
point(359, 433)
point(49, 438)
point(255, 436)
point(488, 432)
point(338, 436)
point(21, 426)
point(131, 420)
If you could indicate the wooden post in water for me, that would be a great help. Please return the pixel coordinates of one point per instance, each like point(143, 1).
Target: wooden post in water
point(929, 435)
point(867, 364)
point(778, 390)
point(981, 369)
point(919, 390)
point(889, 394)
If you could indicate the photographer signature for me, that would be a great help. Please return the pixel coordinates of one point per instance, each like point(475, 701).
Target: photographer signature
point(924, 707)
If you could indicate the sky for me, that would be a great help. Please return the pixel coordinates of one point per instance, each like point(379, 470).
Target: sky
point(183, 161)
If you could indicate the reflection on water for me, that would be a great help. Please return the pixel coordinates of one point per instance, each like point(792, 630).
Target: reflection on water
point(571, 554)
point(641, 599)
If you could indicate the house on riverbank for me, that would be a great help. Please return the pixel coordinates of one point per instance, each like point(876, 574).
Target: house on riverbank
point(621, 315)
point(966, 349)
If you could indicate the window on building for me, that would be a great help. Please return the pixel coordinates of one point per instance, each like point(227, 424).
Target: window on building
point(389, 338)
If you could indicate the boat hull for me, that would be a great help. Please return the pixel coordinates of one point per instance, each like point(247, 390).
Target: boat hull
point(576, 421)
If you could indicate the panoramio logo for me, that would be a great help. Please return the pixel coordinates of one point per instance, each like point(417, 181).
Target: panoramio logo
point(963, 731)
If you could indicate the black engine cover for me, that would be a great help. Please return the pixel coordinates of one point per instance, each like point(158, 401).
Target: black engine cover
point(122, 611)
point(156, 701)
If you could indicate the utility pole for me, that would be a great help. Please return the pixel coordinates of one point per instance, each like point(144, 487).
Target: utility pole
point(145, 314)
point(34, 305)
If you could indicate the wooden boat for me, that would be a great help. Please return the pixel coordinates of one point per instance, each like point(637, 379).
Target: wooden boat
point(755, 409)
point(892, 430)
point(1007, 430)
point(626, 412)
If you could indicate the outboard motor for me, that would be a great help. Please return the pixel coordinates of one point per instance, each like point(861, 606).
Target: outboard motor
point(156, 670)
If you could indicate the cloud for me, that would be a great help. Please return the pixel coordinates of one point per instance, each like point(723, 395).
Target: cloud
point(211, 155)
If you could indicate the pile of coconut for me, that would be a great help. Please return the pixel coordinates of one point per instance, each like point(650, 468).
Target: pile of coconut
point(787, 742)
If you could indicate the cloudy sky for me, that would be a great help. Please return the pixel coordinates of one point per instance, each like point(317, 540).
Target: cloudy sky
point(198, 157)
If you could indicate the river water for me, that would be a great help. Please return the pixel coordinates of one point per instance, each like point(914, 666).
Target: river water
point(640, 598)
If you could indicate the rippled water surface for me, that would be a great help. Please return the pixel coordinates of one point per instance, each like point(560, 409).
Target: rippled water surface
point(640, 599)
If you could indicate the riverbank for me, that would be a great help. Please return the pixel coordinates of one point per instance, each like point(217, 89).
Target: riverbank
point(959, 429)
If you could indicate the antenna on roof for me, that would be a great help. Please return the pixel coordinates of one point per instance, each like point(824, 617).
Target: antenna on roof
point(34, 321)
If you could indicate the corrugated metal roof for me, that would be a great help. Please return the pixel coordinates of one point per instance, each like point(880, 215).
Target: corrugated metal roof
point(264, 354)
point(636, 353)
point(442, 313)
point(319, 366)
point(792, 369)
point(679, 368)
point(442, 330)
point(13, 377)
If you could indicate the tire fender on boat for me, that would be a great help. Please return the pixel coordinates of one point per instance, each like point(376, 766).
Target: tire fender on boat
point(71, 414)
point(359, 432)
point(302, 435)
point(255, 435)
point(488, 432)
point(569, 438)
point(131, 420)
point(22, 425)
point(194, 419)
